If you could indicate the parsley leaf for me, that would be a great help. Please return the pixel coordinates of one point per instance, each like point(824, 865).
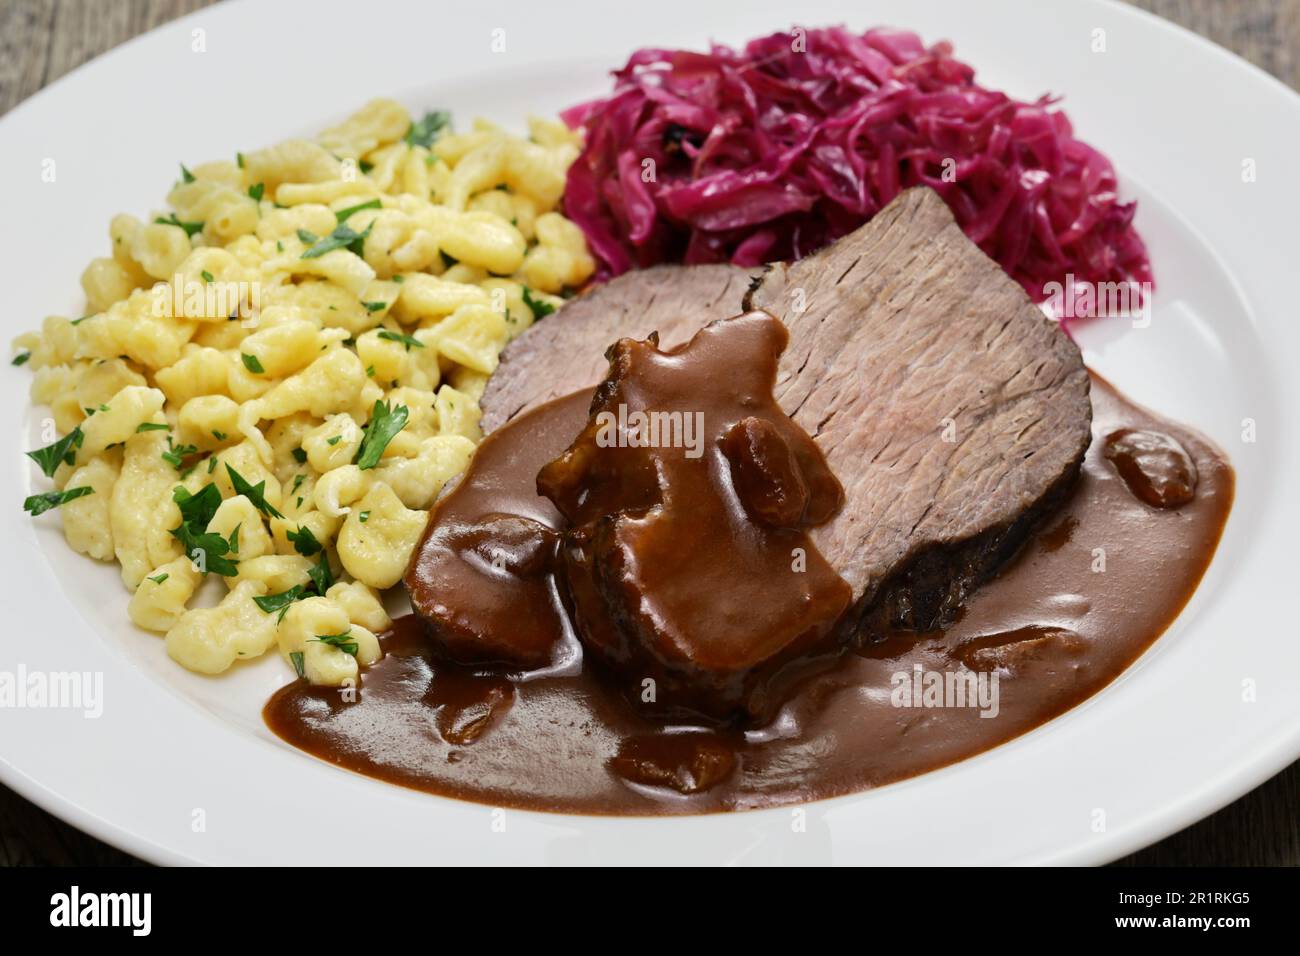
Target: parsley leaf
point(39, 504)
point(160, 578)
point(175, 454)
point(374, 306)
point(271, 603)
point(385, 422)
point(152, 427)
point(254, 493)
point(252, 363)
point(197, 509)
point(190, 227)
point(186, 175)
point(296, 658)
point(539, 309)
point(428, 129)
point(322, 578)
point(61, 452)
point(344, 642)
point(21, 358)
point(406, 340)
point(196, 512)
point(342, 215)
point(343, 237)
point(256, 190)
point(304, 542)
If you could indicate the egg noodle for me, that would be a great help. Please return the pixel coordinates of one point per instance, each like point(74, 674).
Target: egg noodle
point(277, 375)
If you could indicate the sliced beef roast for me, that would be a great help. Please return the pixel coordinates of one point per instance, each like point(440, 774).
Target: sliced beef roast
point(951, 409)
point(566, 352)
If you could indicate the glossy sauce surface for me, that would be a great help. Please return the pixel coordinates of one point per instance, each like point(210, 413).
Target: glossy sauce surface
point(1083, 599)
point(687, 496)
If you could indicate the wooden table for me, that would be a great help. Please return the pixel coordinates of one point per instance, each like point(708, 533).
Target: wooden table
point(40, 40)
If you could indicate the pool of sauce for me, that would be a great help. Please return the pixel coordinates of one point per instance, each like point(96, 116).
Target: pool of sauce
point(1103, 578)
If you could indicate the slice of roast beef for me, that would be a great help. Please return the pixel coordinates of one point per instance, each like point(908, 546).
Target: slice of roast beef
point(566, 351)
point(953, 412)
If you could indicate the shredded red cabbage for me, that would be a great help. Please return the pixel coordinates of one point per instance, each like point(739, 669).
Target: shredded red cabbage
point(774, 151)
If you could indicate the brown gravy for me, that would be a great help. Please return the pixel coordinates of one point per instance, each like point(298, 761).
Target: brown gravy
point(678, 565)
point(1076, 607)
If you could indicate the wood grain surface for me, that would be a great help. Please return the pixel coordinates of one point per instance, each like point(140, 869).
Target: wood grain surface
point(41, 40)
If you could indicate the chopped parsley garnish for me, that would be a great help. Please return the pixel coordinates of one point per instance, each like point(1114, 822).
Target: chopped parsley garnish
point(62, 452)
point(299, 455)
point(190, 227)
point(540, 310)
point(254, 493)
point(295, 658)
point(234, 538)
point(366, 166)
point(342, 215)
point(273, 603)
point(343, 237)
point(297, 482)
point(321, 575)
point(385, 422)
point(207, 276)
point(428, 129)
point(334, 441)
point(374, 306)
point(208, 549)
point(197, 508)
point(186, 175)
point(406, 340)
point(160, 578)
point(152, 427)
point(39, 504)
point(304, 542)
point(239, 159)
point(21, 358)
point(252, 364)
point(307, 236)
point(175, 454)
point(344, 642)
point(363, 517)
point(256, 190)
point(218, 435)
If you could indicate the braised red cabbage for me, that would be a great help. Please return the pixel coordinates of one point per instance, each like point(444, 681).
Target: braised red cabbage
point(775, 150)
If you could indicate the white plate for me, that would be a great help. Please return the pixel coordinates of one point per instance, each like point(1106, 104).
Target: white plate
point(1170, 741)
